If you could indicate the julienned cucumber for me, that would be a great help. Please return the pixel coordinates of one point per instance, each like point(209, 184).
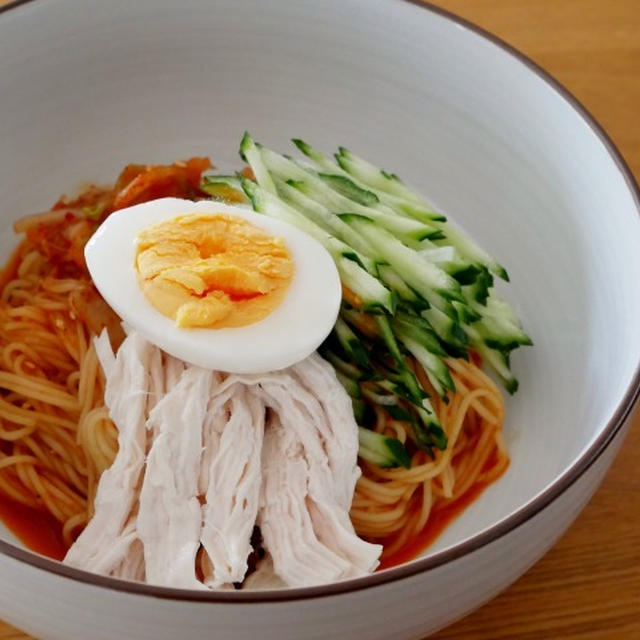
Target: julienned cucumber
point(390, 183)
point(382, 450)
point(428, 286)
point(433, 284)
point(251, 155)
point(375, 177)
point(313, 186)
point(410, 208)
point(324, 218)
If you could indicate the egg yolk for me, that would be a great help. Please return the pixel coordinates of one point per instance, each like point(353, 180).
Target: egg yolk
point(212, 270)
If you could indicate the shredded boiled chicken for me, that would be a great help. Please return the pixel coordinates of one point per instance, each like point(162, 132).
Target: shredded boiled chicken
point(170, 518)
point(233, 483)
point(106, 540)
point(205, 457)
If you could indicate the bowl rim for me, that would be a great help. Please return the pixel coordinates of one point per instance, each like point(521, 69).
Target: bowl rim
point(421, 565)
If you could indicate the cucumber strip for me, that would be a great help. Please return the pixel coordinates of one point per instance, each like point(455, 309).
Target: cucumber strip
point(270, 205)
point(415, 393)
point(416, 241)
point(224, 188)
point(346, 368)
point(345, 186)
point(499, 327)
point(478, 290)
point(452, 335)
point(419, 339)
point(394, 281)
point(433, 284)
point(465, 312)
point(436, 370)
point(398, 412)
point(418, 329)
point(448, 259)
point(469, 249)
point(350, 342)
point(375, 297)
point(382, 399)
point(406, 200)
point(464, 272)
point(322, 217)
point(501, 310)
point(337, 203)
point(319, 158)
point(439, 255)
point(313, 186)
point(229, 180)
point(222, 192)
point(435, 435)
point(382, 450)
point(386, 333)
point(250, 153)
point(496, 337)
point(368, 176)
point(418, 211)
point(412, 209)
point(349, 189)
point(375, 177)
point(427, 430)
point(497, 361)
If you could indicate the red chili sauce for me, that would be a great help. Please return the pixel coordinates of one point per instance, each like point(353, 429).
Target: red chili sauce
point(37, 530)
point(436, 524)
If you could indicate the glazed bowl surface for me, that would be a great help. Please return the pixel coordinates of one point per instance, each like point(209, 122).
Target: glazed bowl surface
point(87, 87)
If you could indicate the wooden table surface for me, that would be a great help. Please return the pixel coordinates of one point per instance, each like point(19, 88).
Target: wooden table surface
point(588, 586)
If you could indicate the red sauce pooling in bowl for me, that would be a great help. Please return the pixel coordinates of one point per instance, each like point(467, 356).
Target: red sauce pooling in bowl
point(438, 521)
point(37, 530)
point(436, 524)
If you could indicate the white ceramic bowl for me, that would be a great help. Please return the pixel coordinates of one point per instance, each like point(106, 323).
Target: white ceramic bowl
point(87, 86)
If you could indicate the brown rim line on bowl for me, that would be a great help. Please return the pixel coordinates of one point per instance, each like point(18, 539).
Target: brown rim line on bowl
point(420, 565)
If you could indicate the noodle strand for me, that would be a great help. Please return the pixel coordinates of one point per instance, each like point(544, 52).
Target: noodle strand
point(393, 506)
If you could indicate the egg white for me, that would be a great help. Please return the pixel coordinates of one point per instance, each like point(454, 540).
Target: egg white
point(290, 333)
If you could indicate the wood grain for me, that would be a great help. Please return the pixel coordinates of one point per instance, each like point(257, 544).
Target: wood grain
point(588, 586)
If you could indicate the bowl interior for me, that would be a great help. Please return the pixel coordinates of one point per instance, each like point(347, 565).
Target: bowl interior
point(97, 85)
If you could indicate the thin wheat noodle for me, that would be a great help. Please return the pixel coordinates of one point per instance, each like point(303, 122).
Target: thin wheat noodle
point(53, 389)
point(17, 492)
point(475, 453)
point(56, 437)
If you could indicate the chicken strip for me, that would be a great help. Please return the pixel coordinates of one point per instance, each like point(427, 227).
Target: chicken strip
point(105, 542)
point(233, 487)
point(170, 517)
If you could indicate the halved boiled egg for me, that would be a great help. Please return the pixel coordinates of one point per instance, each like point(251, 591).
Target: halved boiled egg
point(219, 286)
